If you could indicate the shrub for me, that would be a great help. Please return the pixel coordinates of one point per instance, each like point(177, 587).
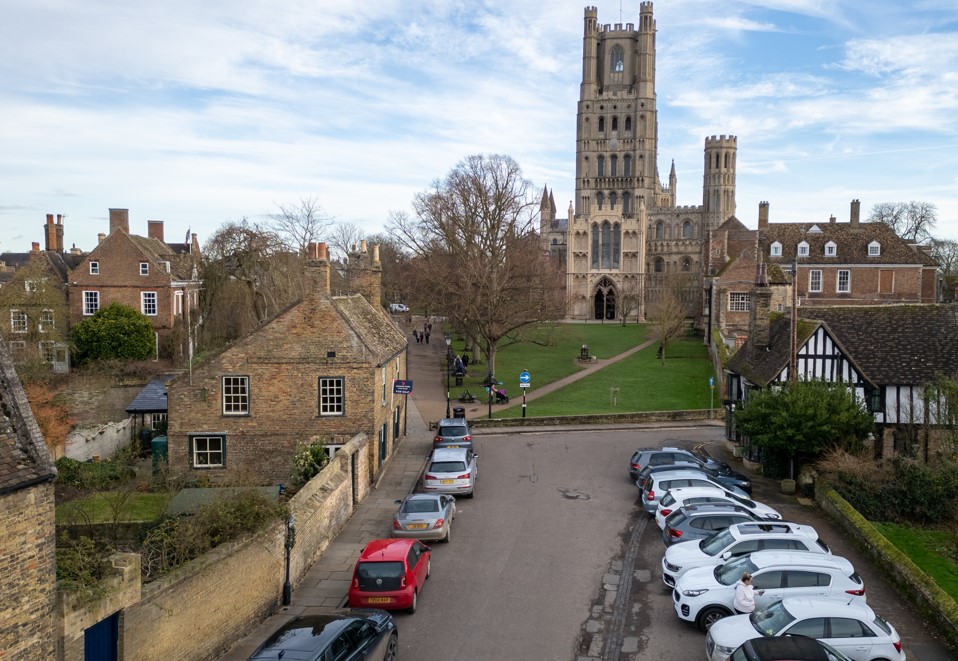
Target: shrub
point(80, 568)
point(89, 475)
point(308, 461)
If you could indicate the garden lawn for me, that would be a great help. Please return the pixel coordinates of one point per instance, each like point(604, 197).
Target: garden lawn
point(548, 352)
point(929, 549)
point(113, 506)
point(644, 383)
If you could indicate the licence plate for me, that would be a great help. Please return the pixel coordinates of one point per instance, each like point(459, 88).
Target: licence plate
point(416, 526)
point(446, 481)
point(452, 446)
point(379, 600)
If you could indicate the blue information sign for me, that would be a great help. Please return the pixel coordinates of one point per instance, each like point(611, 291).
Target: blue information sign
point(402, 386)
point(711, 382)
point(524, 379)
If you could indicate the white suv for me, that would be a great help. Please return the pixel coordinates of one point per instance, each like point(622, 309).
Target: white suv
point(452, 470)
point(736, 541)
point(705, 595)
point(658, 483)
point(678, 498)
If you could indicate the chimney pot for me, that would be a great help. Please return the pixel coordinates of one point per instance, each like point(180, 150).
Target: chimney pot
point(120, 219)
point(855, 213)
point(36, 247)
point(100, 237)
point(831, 219)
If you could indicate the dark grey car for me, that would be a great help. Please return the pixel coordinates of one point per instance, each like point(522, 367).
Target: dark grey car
point(339, 634)
point(699, 521)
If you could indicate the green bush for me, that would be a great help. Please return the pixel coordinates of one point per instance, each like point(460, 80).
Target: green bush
point(80, 568)
point(905, 491)
point(116, 331)
point(90, 475)
point(308, 461)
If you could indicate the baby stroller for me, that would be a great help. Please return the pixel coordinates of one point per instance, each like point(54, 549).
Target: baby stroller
point(501, 396)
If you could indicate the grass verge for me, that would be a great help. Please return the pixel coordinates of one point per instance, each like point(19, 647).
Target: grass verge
point(113, 507)
point(929, 549)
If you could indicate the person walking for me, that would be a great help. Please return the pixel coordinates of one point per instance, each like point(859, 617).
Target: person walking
point(744, 602)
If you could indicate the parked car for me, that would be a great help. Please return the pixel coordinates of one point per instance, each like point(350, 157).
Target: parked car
point(339, 634)
point(705, 595)
point(786, 648)
point(701, 521)
point(736, 541)
point(390, 574)
point(398, 307)
point(425, 516)
point(645, 461)
point(452, 433)
point(683, 496)
point(657, 457)
point(681, 465)
point(452, 470)
point(656, 487)
point(853, 629)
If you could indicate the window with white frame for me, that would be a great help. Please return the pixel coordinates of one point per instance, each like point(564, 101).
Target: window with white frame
point(803, 249)
point(178, 302)
point(738, 301)
point(91, 302)
point(775, 249)
point(332, 395)
point(383, 376)
point(31, 285)
point(874, 249)
point(144, 268)
point(94, 268)
point(814, 280)
point(331, 449)
point(235, 395)
point(844, 282)
point(18, 321)
point(148, 303)
point(208, 450)
point(831, 249)
point(48, 351)
point(157, 420)
point(47, 321)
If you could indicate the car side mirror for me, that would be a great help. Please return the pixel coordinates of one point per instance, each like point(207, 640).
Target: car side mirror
point(398, 502)
point(726, 555)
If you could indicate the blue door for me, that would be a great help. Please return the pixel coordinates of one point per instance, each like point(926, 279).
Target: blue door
point(100, 640)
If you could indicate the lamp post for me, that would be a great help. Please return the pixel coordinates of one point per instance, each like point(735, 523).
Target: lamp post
point(448, 367)
point(288, 545)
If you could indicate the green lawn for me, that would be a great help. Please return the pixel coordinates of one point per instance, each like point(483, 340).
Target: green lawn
point(927, 548)
point(113, 506)
point(549, 353)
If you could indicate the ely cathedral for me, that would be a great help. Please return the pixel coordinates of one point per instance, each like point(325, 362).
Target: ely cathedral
point(625, 238)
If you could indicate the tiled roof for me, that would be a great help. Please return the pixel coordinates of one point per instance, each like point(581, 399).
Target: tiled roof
point(763, 365)
point(733, 224)
point(24, 458)
point(851, 243)
point(152, 399)
point(896, 344)
point(373, 326)
point(181, 265)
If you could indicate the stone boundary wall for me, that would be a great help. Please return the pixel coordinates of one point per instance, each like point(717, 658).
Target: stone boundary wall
point(917, 586)
point(199, 610)
point(598, 419)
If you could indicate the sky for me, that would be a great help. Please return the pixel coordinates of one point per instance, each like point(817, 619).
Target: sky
point(203, 113)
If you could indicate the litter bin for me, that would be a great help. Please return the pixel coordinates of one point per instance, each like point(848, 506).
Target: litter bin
point(159, 452)
point(459, 379)
point(459, 412)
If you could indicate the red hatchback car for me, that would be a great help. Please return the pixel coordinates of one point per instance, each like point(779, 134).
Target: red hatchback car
point(390, 574)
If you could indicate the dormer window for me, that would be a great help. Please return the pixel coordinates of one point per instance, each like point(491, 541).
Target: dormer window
point(874, 249)
point(94, 268)
point(144, 268)
point(803, 249)
point(775, 250)
point(831, 249)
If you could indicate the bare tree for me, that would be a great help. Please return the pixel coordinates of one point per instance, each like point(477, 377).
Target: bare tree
point(297, 225)
point(912, 221)
point(945, 252)
point(630, 296)
point(248, 275)
point(480, 257)
point(342, 238)
point(668, 312)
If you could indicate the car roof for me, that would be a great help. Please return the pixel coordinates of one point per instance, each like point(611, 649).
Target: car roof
point(772, 527)
point(445, 454)
point(684, 472)
point(385, 550)
point(423, 496)
point(452, 421)
point(693, 492)
point(787, 647)
point(712, 508)
point(802, 608)
point(801, 559)
point(305, 634)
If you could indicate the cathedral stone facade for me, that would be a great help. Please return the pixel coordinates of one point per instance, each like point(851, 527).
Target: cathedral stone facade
point(625, 239)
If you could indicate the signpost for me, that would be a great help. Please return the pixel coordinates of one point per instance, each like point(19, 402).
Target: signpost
point(525, 380)
point(711, 395)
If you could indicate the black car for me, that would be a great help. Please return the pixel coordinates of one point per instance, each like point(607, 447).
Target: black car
point(786, 648)
point(338, 634)
point(644, 457)
point(724, 476)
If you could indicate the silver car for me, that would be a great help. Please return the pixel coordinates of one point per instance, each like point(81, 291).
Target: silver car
point(451, 470)
point(425, 516)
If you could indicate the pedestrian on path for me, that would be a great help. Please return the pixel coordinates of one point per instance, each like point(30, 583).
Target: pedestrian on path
point(744, 601)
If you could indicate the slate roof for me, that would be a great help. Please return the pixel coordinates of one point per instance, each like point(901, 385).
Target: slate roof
point(852, 244)
point(373, 326)
point(152, 399)
point(24, 458)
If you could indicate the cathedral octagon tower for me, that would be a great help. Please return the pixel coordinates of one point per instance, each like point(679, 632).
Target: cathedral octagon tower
point(625, 236)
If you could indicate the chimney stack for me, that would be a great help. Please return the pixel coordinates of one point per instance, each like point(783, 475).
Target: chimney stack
point(59, 232)
point(763, 215)
point(855, 212)
point(317, 269)
point(154, 229)
point(831, 219)
point(100, 237)
point(35, 250)
point(120, 219)
point(50, 234)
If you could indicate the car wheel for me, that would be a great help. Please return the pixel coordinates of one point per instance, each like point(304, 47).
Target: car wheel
point(710, 616)
point(448, 537)
point(392, 648)
point(412, 607)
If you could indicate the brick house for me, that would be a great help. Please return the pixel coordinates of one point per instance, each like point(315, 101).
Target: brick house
point(159, 279)
point(322, 369)
point(28, 590)
point(890, 355)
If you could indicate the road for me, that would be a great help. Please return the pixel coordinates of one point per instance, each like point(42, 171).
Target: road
point(536, 566)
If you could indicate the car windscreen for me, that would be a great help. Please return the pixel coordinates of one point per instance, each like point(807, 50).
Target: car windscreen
point(454, 430)
point(731, 571)
point(769, 621)
point(380, 576)
point(667, 499)
point(822, 545)
point(716, 543)
point(420, 506)
point(447, 467)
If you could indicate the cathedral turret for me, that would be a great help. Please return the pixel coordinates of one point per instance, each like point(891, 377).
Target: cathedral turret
point(718, 189)
point(589, 53)
point(673, 183)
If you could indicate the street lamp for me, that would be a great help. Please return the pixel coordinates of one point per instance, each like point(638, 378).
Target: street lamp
point(448, 366)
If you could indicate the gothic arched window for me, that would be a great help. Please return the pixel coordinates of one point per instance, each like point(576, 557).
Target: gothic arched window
point(615, 123)
point(658, 265)
point(600, 166)
point(599, 199)
point(687, 230)
point(686, 264)
point(618, 59)
point(660, 230)
point(627, 165)
point(613, 198)
point(595, 247)
point(614, 165)
point(628, 123)
point(601, 124)
point(626, 203)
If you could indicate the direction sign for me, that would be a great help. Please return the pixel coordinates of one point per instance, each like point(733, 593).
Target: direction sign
point(524, 379)
point(402, 386)
point(711, 382)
